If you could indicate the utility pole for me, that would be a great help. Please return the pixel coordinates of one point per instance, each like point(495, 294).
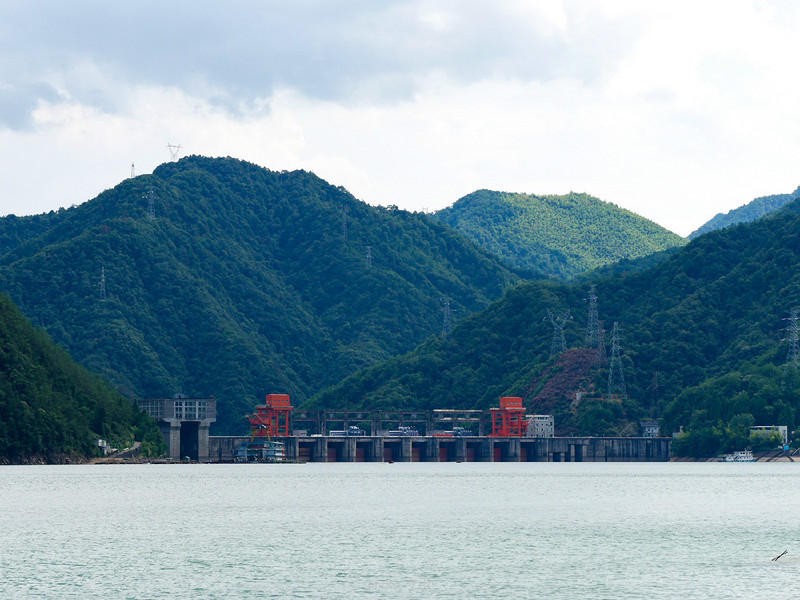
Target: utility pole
point(616, 379)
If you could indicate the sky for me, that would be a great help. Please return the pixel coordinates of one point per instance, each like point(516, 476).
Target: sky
point(675, 110)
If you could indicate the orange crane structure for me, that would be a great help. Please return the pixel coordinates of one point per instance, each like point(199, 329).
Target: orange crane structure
point(509, 420)
point(273, 418)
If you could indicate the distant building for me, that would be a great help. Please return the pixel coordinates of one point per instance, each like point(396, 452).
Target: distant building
point(768, 430)
point(650, 428)
point(184, 423)
point(542, 426)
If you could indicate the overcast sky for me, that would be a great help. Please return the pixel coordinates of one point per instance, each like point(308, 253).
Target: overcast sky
point(673, 109)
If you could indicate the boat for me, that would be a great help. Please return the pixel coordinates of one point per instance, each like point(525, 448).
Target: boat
point(740, 456)
point(261, 451)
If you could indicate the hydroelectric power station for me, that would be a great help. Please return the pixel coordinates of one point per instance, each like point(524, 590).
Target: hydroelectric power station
point(503, 434)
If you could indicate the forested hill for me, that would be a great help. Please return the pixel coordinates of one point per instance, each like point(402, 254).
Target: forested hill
point(246, 282)
point(746, 214)
point(703, 338)
point(560, 236)
point(52, 409)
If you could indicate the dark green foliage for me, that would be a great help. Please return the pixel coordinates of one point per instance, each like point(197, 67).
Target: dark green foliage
point(242, 286)
point(52, 408)
point(746, 214)
point(708, 321)
point(555, 236)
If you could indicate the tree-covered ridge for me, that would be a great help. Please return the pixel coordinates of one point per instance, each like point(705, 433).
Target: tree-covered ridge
point(558, 236)
point(53, 409)
point(747, 213)
point(702, 337)
point(247, 282)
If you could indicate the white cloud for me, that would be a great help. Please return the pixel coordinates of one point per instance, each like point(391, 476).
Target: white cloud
point(676, 110)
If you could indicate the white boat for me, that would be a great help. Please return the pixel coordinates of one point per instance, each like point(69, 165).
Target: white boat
point(740, 456)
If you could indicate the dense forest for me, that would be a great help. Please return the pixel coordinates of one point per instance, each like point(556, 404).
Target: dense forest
point(702, 338)
point(748, 213)
point(54, 410)
point(246, 282)
point(558, 236)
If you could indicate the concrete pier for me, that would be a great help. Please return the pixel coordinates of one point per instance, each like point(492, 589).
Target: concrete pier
point(454, 449)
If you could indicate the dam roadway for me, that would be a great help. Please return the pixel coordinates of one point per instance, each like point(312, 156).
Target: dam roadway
point(453, 449)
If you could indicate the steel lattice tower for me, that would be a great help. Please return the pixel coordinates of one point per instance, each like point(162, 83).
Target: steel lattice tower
point(793, 355)
point(447, 319)
point(559, 342)
point(369, 257)
point(592, 324)
point(151, 204)
point(174, 150)
point(601, 342)
point(102, 283)
point(616, 379)
point(344, 225)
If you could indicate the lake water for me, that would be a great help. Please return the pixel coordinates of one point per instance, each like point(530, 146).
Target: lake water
point(421, 530)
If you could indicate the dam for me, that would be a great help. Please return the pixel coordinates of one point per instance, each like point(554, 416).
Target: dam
point(456, 449)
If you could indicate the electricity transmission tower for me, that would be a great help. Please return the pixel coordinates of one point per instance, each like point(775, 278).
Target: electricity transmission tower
point(174, 150)
point(133, 171)
point(592, 324)
point(559, 342)
point(344, 225)
point(447, 318)
point(601, 343)
point(369, 257)
point(616, 379)
point(793, 355)
point(151, 203)
point(102, 283)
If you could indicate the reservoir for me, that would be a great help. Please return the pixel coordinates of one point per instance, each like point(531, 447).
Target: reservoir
point(402, 530)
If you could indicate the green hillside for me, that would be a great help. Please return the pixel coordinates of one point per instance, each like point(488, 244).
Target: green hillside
point(702, 338)
point(748, 213)
point(247, 282)
point(558, 236)
point(52, 409)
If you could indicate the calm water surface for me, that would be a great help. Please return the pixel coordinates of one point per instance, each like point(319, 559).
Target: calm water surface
point(470, 530)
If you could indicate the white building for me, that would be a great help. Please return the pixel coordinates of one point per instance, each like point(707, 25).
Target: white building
point(540, 426)
point(650, 428)
point(768, 430)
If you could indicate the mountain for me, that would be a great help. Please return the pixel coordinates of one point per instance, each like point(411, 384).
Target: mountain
point(703, 339)
point(747, 213)
point(246, 282)
point(557, 236)
point(52, 409)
